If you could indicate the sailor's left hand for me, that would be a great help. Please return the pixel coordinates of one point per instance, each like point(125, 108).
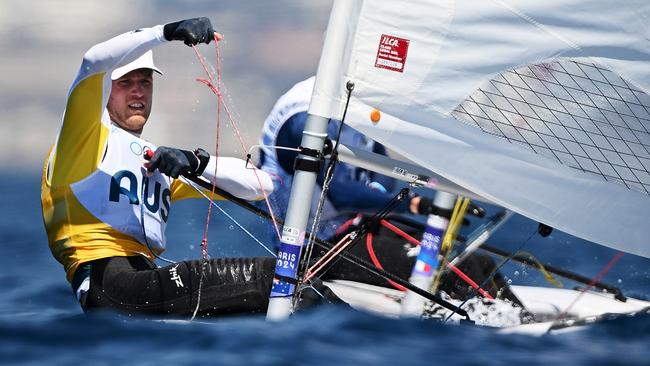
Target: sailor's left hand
point(174, 162)
point(191, 31)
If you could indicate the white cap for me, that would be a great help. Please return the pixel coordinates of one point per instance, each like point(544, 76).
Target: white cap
point(143, 62)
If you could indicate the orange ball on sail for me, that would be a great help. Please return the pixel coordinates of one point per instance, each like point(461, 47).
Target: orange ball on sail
point(375, 115)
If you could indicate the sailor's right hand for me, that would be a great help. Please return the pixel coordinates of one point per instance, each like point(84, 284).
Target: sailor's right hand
point(174, 162)
point(190, 31)
point(414, 204)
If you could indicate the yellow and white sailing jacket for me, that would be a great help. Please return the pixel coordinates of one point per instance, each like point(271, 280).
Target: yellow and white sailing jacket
point(96, 198)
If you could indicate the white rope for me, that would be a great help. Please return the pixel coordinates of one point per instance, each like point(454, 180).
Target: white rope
point(253, 147)
point(214, 204)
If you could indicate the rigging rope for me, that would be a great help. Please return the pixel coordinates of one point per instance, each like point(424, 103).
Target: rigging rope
point(144, 230)
point(376, 262)
point(343, 255)
point(328, 256)
point(216, 87)
point(204, 241)
point(329, 174)
point(416, 242)
point(454, 223)
point(200, 191)
point(496, 269)
point(584, 290)
point(356, 234)
point(448, 241)
point(540, 266)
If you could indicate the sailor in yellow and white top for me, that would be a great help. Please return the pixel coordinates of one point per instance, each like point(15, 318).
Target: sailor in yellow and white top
point(105, 208)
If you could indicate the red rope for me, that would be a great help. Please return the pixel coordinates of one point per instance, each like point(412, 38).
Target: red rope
point(347, 224)
point(217, 91)
point(204, 241)
point(327, 257)
point(471, 282)
point(414, 241)
point(400, 232)
point(607, 267)
point(375, 261)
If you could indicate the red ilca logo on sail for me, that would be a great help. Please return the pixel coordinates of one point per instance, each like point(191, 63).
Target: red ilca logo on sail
point(391, 53)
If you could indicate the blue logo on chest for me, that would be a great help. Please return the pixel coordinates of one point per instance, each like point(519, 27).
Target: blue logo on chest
point(153, 204)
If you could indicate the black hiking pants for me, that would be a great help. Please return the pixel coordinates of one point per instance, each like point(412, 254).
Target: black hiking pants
point(134, 285)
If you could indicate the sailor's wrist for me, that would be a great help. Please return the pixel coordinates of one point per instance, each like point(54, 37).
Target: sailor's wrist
point(203, 158)
point(159, 32)
point(169, 29)
point(424, 206)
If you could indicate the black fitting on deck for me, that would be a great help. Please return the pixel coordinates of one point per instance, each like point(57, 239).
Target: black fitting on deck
point(544, 230)
point(426, 207)
point(286, 279)
point(328, 147)
point(309, 165)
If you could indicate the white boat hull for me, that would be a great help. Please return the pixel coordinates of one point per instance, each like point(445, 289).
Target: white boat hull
point(545, 304)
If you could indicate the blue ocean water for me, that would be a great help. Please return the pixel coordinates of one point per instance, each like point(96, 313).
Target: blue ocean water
point(41, 323)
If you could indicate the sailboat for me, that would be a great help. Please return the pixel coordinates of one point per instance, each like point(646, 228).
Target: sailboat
point(541, 108)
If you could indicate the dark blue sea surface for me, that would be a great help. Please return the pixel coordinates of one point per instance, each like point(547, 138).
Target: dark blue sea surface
point(41, 323)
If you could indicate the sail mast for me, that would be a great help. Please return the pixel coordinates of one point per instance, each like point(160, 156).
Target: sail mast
point(293, 232)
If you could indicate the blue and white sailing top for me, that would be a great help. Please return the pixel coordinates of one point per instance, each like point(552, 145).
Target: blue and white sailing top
point(352, 189)
point(96, 197)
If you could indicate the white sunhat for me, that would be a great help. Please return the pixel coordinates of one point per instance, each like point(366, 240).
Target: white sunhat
point(143, 62)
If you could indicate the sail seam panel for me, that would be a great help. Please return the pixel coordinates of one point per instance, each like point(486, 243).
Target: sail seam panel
point(578, 129)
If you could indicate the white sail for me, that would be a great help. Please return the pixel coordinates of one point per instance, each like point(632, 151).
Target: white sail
point(540, 107)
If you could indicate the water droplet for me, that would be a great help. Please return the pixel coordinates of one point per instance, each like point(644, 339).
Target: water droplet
point(619, 280)
point(516, 273)
point(509, 281)
point(231, 227)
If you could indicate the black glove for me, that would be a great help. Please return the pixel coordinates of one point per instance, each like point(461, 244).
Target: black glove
point(191, 31)
point(174, 162)
point(425, 206)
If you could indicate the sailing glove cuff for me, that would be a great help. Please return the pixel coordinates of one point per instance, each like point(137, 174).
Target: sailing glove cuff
point(190, 31)
point(174, 162)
